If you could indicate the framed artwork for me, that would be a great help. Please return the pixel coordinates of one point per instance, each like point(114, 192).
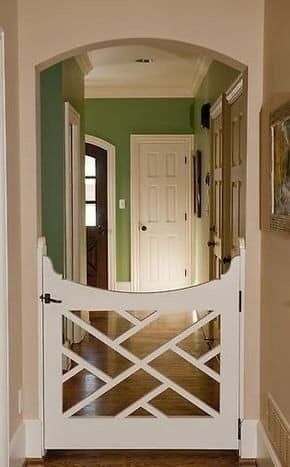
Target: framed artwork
point(280, 168)
point(197, 184)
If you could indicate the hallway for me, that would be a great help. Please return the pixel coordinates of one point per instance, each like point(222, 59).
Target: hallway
point(142, 459)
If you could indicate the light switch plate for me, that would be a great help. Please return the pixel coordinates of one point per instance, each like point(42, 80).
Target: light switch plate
point(122, 204)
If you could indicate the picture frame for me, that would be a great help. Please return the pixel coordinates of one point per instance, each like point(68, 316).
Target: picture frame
point(280, 169)
point(197, 184)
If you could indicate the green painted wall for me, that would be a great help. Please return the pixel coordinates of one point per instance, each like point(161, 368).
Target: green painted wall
point(114, 120)
point(218, 80)
point(59, 83)
point(52, 154)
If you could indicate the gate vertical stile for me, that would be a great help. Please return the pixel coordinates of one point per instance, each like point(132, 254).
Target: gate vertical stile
point(41, 253)
point(217, 428)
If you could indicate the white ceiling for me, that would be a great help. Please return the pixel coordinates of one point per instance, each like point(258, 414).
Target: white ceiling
point(115, 72)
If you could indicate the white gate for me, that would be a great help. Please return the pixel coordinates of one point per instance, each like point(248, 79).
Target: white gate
point(177, 390)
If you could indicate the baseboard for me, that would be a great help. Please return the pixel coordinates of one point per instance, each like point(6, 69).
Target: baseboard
point(266, 455)
point(123, 286)
point(17, 452)
point(248, 443)
point(33, 438)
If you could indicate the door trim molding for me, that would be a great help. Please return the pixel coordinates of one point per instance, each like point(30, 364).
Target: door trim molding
point(135, 140)
point(4, 346)
point(111, 202)
point(73, 245)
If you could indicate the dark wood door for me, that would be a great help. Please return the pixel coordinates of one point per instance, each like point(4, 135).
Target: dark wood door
point(96, 216)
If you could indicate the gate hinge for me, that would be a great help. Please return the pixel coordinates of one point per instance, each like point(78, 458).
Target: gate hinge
point(185, 159)
point(46, 298)
point(185, 216)
point(185, 272)
point(240, 301)
point(239, 429)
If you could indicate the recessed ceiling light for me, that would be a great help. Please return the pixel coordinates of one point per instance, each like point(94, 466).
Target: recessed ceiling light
point(144, 60)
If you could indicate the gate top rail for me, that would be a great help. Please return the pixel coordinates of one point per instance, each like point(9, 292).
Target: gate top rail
point(209, 295)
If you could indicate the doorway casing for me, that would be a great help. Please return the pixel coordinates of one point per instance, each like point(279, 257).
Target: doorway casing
point(4, 394)
point(111, 189)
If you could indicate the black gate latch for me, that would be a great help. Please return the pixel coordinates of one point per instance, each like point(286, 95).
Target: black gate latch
point(46, 298)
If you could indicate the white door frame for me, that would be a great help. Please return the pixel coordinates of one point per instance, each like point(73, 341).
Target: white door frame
point(135, 140)
point(4, 362)
point(72, 216)
point(111, 204)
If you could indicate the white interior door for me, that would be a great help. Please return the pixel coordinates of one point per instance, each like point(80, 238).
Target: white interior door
point(161, 211)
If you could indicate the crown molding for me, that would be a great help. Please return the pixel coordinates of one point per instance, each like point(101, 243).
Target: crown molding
point(216, 108)
point(235, 90)
point(98, 92)
point(84, 63)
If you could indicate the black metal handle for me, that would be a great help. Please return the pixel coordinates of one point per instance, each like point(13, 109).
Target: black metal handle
point(144, 228)
point(227, 259)
point(46, 298)
point(211, 243)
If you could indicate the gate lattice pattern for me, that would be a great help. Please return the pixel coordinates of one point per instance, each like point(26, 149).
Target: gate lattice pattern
point(143, 365)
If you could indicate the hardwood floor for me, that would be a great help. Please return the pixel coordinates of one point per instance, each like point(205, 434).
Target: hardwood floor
point(140, 383)
point(142, 459)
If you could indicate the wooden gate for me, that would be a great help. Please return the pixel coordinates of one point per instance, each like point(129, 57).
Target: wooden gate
point(178, 390)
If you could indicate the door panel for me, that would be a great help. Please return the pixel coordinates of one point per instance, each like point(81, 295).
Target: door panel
point(97, 223)
point(163, 199)
point(228, 178)
point(237, 116)
point(219, 241)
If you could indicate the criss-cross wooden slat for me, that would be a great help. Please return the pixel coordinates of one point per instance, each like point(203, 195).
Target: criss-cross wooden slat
point(141, 364)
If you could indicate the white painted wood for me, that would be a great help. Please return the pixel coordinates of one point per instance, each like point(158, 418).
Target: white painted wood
point(41, 252)
point(148, 397)
point(84, 364)
point(215, 431)
point(75, 244)
point(111, 208)
point(33, 439)
point(123, 287)
point(248, 446)
point(266, 455)
point(72, 193)
point(242, 287)
point(17, 448)
point(161, 202)
point(4, 362)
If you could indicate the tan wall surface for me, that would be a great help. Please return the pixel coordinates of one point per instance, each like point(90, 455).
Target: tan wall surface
point(275, 289)
point(51, 28)
point(8, 21)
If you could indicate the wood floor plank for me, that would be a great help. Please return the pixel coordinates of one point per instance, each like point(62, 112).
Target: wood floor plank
point(141, 459)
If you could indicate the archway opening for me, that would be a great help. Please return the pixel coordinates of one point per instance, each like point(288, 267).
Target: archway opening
point(175, 119)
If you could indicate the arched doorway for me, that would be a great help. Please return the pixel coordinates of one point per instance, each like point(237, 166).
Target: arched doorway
point(140, 311)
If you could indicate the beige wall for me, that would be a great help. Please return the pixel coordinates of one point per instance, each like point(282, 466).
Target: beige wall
point(8, 21)
point(233, 29)
point(275, 286)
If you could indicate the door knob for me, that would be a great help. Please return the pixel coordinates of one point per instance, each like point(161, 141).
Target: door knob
point(227, 259)
point(144, 228)
point(101, 229)
point(211, 243)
